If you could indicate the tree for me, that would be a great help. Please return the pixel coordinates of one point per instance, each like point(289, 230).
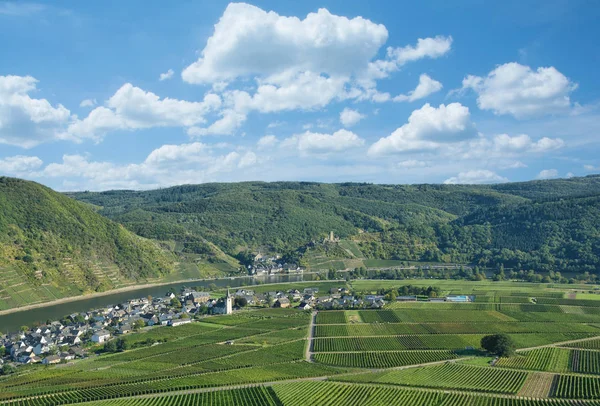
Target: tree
point(175, 303)
point(2, 351)
point(24, 329)
point(122, 345)
point(110, 346)
point(8, 369)
point(499, 344)
point(241, 301)
point(138, 324)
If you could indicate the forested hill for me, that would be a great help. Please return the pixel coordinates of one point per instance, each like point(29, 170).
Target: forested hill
point(540, 225)
point(52, 246)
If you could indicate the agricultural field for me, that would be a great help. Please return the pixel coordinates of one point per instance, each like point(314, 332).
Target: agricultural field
point(413, 353)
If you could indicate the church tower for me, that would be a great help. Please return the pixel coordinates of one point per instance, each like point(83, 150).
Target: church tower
point(229, 303)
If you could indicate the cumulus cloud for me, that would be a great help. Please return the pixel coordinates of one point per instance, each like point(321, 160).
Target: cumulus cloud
point(250, 41)
point(193, 152)
point(16, 165)
point(88, 103)
point(132, 108)
point(518, 90)
point(397, 57)
point(300, 63)
point(318, 143)
point(167, 165)
point(350, 117)
point(425, 48)
point(230, 121)
point(167, 75)
point(548, 174)
point(268, 141)
point(426, 86)
point(427, 128)
point(26, 121)
point(476, 177)
point(524, 143)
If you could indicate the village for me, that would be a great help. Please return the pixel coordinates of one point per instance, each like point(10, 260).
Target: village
point(72, 337)
point(79, 334)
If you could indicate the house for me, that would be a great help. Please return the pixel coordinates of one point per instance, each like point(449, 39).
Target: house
point(51, 359)
point(100, 336)
point(125, 328)
point(304, 306)
point(179, 322)
point(199, 297)
point(284, 302)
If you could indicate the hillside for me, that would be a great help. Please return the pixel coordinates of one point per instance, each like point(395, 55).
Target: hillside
point(52, 246)
point(540, 225)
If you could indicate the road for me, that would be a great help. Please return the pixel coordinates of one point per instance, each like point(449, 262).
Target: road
point(311, 333)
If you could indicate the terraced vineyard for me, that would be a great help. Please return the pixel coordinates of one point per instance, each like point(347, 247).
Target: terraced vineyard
point(386, 359)
point(413, 353)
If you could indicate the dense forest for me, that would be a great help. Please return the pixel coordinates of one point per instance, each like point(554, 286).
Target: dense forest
point(548, 225)
point(53, 246)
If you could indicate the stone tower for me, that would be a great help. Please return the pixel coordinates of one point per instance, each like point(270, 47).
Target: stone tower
point(228, 303)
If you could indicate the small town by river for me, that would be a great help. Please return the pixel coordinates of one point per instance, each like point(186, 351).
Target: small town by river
point(12, 321)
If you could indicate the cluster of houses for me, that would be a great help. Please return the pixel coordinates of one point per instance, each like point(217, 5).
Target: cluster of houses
point(337, 298)
point(67, 339)
point(61, 341)
point(271, 265)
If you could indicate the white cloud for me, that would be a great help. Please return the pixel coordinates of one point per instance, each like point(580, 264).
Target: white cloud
point(166, 165)
point(427, 129)
point(192, 152)
point(132, 108)
point(227, 124)
point(522, 92)
point(167, 75)
point(25, 121)
point(476, 177)
point(247, 160)
point(524, 143)
point(591, 168)
point(397, 57)
point(300, 63)
point(318, 143)
point(350, 117)
point(548, 174)
point(250, 41)
point(425, 48)
point(88, 103)
point(16, 165)
point(412, 163)
point(425, 87)
point(268, 141)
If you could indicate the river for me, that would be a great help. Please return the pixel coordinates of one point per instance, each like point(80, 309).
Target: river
point(11, 322)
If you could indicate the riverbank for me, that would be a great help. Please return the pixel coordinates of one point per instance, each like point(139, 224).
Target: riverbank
point(98, 294)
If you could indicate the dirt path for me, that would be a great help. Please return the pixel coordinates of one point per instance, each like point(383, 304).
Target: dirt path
point(311, 333)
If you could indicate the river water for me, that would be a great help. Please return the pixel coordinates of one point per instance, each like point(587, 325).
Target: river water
point(12, 322)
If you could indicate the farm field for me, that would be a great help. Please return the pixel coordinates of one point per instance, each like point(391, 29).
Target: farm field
point(408, 353)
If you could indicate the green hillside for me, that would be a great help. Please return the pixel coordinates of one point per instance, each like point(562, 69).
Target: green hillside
point(52, 246)
point(539, 225)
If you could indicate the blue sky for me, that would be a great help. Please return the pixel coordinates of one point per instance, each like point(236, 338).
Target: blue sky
point(136, 95)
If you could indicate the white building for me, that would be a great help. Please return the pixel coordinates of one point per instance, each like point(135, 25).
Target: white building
point(100, 336)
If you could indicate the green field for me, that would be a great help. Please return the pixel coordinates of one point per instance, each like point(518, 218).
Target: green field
point(411, 353)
